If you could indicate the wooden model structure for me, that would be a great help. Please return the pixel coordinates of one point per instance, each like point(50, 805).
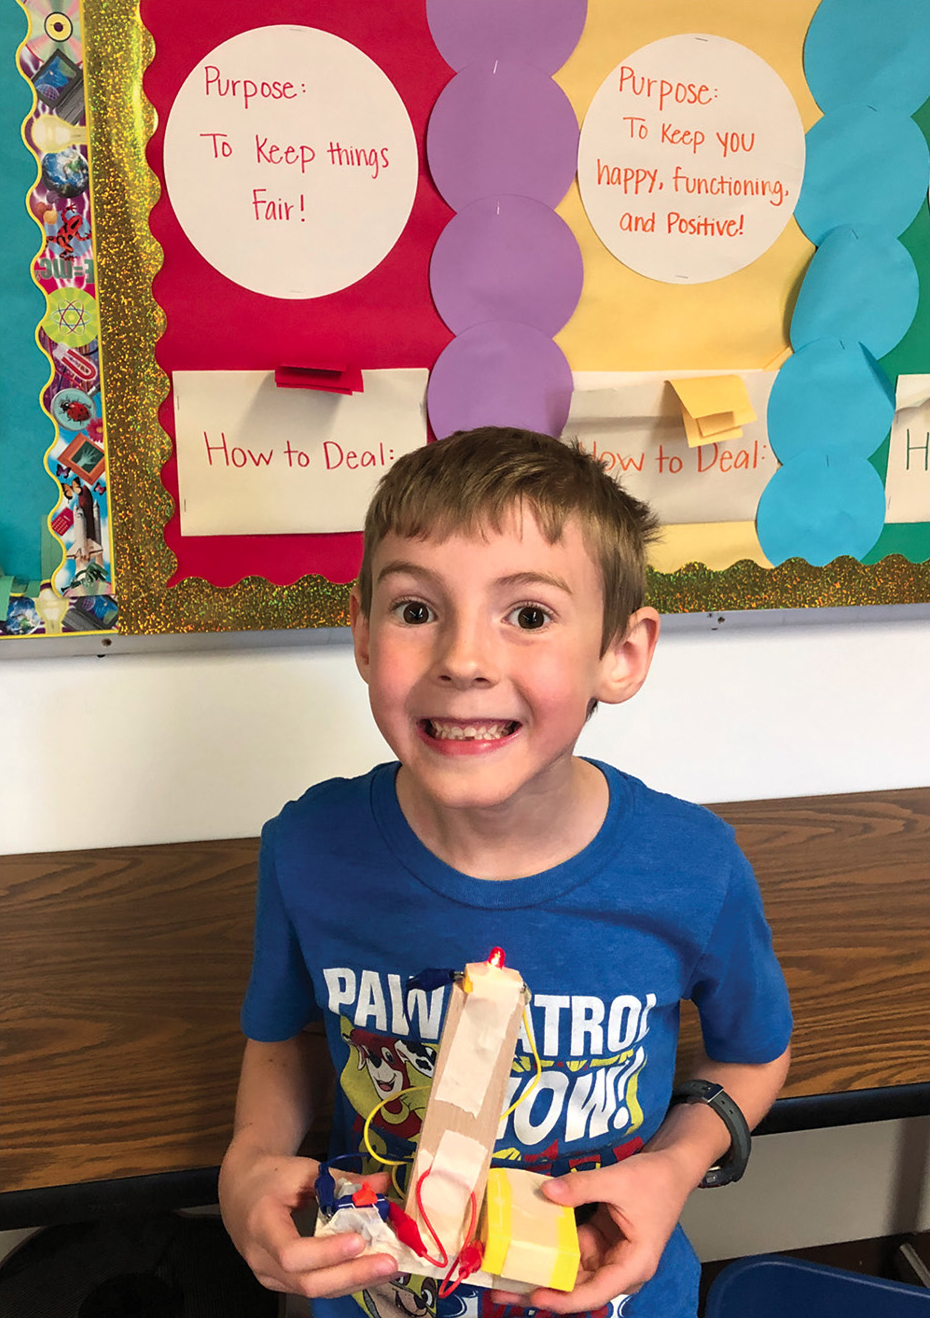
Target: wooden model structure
point(493, 1226)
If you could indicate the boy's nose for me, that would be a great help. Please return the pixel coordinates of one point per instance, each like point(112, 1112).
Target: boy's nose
point(467, 656)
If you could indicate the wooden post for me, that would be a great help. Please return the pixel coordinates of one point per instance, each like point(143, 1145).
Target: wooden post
point(465, 1104)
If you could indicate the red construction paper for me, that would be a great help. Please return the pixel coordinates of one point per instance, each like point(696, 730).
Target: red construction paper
point(328, 379)
point(385, 320)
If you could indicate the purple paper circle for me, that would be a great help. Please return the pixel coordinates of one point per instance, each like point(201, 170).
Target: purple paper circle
point(500, 374)
point(502, 128)
point(540, 32)
point(506, 258)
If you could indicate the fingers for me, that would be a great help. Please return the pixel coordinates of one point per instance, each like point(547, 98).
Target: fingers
point(322, 1267)
point(577, 1188)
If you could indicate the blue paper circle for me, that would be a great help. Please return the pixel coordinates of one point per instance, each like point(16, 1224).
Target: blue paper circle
point(829, 397)
point(874, 53)
point(861, 286)
point(864, 167)
point(821, 506)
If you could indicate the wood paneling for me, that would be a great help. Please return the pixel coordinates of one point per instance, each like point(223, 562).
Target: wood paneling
point(122, 971)
point(846, 883)
point(121, 975)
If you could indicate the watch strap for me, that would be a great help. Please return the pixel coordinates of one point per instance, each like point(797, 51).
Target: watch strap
point(732, 1165)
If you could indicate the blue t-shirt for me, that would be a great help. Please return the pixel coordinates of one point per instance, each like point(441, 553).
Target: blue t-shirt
point(661, 905)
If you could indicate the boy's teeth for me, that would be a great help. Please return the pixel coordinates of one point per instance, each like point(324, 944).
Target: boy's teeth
point(470, 731)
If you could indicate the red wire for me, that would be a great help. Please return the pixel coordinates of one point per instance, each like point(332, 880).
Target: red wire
point(447, 1286)
point(437, 1263)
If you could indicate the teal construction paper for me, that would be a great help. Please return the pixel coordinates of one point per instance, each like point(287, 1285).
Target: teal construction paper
point(869, 52)
point(27, 493)
point(909, 539)
point(862, 287)
point(912, 355)
point(829, 396)
point(863, 167)
point(821, 506)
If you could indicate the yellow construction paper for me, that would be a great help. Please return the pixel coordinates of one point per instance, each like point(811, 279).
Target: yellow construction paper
point(716, 424)
point(713, 407)
point(716, 544)
point(625, 321)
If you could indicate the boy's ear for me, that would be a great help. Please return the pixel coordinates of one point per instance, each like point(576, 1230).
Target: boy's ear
point(626, 661)
point(361, 633)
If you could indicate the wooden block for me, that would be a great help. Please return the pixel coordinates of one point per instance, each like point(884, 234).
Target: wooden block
point(466, 1101)
point(526, 1237)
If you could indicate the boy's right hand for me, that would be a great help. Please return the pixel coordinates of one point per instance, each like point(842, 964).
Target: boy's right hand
point(259, 1192)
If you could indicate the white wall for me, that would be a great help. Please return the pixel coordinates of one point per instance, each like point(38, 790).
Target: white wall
point(202, 744)
point(174, 746)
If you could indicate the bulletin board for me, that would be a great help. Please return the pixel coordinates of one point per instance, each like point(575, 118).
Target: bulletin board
point(275, 255)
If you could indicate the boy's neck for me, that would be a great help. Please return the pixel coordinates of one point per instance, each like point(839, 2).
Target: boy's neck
point(511, 841)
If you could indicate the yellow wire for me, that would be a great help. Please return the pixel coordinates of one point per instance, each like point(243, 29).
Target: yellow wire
point(535, 1080)
point(387, 1162)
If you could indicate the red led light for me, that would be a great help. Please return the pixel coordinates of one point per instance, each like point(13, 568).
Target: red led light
point(496, 957)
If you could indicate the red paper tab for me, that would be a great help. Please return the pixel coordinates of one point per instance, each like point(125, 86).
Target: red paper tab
point(329, 379)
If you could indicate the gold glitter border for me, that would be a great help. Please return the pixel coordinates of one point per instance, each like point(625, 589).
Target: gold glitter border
point(117, 51)
point(795, 584)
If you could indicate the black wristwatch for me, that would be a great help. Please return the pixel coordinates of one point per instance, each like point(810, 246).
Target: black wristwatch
point(733, 1163)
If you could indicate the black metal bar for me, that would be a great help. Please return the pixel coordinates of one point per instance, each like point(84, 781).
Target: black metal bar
point(850, 1108)
point(90, 1200)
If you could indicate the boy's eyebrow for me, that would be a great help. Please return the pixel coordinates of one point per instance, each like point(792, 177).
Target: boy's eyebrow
point(536, 579)
point(400, 565)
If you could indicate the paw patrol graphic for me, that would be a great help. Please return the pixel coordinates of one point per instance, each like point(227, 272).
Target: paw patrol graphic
point(379, 1071)
point(414, 1297)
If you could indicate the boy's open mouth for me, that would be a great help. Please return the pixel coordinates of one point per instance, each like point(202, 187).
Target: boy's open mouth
point(462, 730)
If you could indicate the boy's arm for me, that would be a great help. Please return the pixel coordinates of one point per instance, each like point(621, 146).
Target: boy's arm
point(262, 1181)
point(640, 1200)
point(694, 1134)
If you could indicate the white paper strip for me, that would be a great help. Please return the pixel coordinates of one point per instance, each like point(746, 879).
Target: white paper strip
point(633, 422)
point(907, 483)
point(254, 459)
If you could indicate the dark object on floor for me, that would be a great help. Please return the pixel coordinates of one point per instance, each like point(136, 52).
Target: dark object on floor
point(770, 1286)
point(162, 1265)
point(138, 1293)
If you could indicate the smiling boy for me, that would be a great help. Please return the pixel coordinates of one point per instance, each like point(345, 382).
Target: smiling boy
point(500, 599)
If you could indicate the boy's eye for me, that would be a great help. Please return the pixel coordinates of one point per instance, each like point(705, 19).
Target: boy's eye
point(530, 617)
point(415, 612)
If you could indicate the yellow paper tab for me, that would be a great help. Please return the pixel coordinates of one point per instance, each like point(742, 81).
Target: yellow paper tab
point(713, 407)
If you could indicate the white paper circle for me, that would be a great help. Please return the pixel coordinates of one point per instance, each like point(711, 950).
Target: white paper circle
point(290, 161)
point(690, 159)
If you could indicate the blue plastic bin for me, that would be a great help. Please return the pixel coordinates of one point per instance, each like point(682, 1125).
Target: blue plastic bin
point(771, 1286)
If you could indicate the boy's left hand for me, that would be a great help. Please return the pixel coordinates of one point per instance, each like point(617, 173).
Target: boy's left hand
point(638, 1202)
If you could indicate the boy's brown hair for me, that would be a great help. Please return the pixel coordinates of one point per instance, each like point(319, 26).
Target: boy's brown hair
point(475, 478)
